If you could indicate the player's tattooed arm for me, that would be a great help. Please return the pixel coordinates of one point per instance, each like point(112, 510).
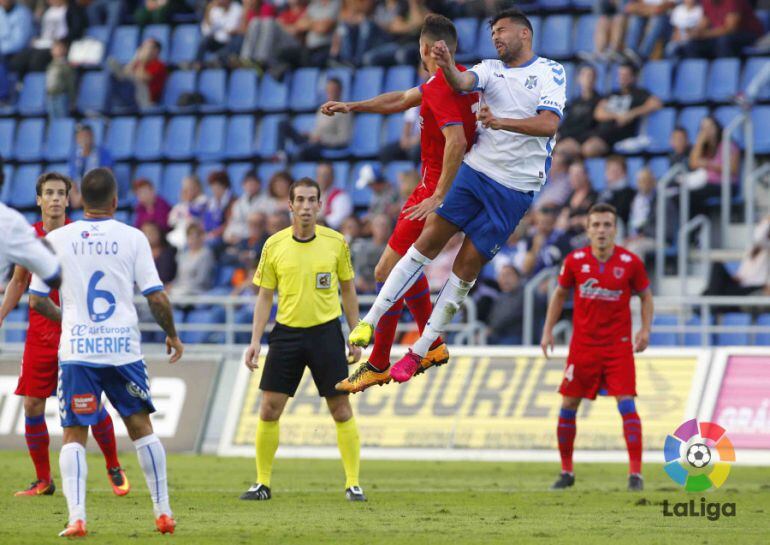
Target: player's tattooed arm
point(46, 307)
point(160, 306)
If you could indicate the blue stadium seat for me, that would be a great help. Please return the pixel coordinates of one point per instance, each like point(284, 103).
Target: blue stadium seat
point(266, 170)
point(237, 171)
point(361, 197)
point(723, 76)
point(120, 137)
point(695, 339)
point(303, 123)
point(656, 77)
point(267, 143)
point(367, 82)
point(366, 135)
point(124, 43)
point(97, 127)
point(554, 5)
point(752, 68)
point(573, 89)
point(633, 166)
point(59, 139)
point(690, 82)
point(210, 139)
point(239, 143)
point(583, 4)
point(584, 33)
point(212, 84)
point(659, 338)
point(345, 75)
point(302, 97)
point(17, 316)
point(467, 29)
point(100, 33)
point(149, 138)
point(300, 170)
point(184, 44)
point(763, 339)
point(725, 115)
point(171, 183)
point(204, 169)
point(341, 173)
point(735, 338)
point(558, 45)
point(180, 81)
point(203, 316)
point(5, 191)
point(92, 92)
point(162, 34)
point(660, 124)
point(394, 124)
point(394, 168)
point(32, 96)
point(658, 165)
point(29, 140)
point(122, 173)
point(22, 193)
point(273, 94)
point(399, 78)
point(690, 119)
point(595, 169)
point(151, 171)
point(242, 91)
point(760, 116)
point(7, 131)
point(485, 49)
point(180, 135)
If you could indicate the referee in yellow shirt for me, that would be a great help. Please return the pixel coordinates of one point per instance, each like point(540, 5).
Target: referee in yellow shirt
point(306, 263)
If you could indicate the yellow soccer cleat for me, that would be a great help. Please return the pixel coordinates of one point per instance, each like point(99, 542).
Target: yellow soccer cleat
point(362, 335)
point(435, 357)
point(362, 378)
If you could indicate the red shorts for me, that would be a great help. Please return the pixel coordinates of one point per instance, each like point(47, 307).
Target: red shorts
point(39, 372)
point(590, 369)
point(408, 231)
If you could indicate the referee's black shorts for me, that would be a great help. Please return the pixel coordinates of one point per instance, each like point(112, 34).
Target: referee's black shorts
point(321, 348)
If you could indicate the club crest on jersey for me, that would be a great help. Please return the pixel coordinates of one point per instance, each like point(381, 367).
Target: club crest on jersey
point(323, 281)
point(618, 272)
point(531, 82)
point(586, 268)
point(625, 258)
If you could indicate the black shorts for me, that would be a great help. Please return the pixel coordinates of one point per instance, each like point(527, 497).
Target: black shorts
point(291, 349)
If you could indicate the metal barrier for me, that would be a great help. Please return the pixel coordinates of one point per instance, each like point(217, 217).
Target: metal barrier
point(704, 224)
point(662, 195)
point(546, 275)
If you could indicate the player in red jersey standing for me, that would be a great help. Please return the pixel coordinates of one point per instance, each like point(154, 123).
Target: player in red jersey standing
point(448, 127)
point(601, 354)
point(39, 367)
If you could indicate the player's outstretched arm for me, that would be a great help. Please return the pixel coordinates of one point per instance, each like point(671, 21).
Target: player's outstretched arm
point(555, 307)
point(545, 123)
point(350, 307)
point(261, 316)
point(160, 306)
point(642, 338)
point(461, 82)
point(13, 291)
point(44, 306)
point(386, 103)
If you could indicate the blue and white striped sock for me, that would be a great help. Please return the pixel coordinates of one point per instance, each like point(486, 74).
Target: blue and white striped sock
point(152, 460)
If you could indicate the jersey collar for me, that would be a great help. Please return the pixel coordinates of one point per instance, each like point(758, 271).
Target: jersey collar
point(528, 63)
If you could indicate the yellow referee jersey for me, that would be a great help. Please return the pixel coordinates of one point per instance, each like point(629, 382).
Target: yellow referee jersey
point(306, 275)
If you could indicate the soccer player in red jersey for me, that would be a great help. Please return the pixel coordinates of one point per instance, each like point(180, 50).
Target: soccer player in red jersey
point(39, 364)
point(448, 127)
point(601, 353)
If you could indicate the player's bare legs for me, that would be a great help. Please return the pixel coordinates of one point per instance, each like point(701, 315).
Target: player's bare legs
point(566, 430)
point(349, 444)
point(74, 472)
point(152, 460)
point(632, 431)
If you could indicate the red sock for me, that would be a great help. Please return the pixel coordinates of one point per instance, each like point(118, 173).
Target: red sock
point(417, 299)
point(632, 430)
point(36, 434)
point(565, 433)
point(105, 435)
point(384, 335)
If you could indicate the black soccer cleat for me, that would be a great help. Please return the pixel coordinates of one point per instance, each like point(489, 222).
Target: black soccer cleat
point(355, 493)
point(564, 481)
point(257, 492)
point(635, 482)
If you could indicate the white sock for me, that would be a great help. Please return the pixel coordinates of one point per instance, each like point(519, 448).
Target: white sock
point(444, 309)
point(72, 464)
point(401, 278)
point(152, 459)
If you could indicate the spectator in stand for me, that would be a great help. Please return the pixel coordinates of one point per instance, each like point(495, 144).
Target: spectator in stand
point(366, 253)
point(609, 31)
point(245, 253)
point(680, 148)
point(140, 83)
point(685, 19)
point(620, 113)
point(86, 156)
point(16, 29)
point(557, 188)
point(506, 315)
point(408, 180)
point(640, 238)
point(278, 221)
point(251, 200)
point(265, 34)
point(221, 21)
point(705, 179)
point(252, 9)
point(62, 20)
point(618, 192)
point(727, 26)
point(150, 207)
point(329, 132)
point(647, 26)
point(163, 254)
point(105, 12)
point(336, 204)
point(156, 12)
point(218, 207)
point(278, 190)
point(579, 121)
point(351, 229)
point(546, 245)
point(437, 271)
point(317, 24)
point(408, 145)
point(356, 32)
point(400, 25)
point(190, 207)
point(195, 264)
point(384, 198)
point(583, 195)
point(59, 82)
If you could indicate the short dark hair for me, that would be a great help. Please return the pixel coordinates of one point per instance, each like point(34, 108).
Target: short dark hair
point(81, 127)
point(337, 81)
point(620, 160)
point(219, 177)
point(157, 44)
point(601, 208)
point(631, 66)
point(98, 187)
point(51, 177)
point(251, 173)
point(679, 128)
point(304, 182)
point(515, 14)
point(437, 27)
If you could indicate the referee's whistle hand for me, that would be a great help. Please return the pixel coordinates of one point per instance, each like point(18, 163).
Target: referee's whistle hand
point(251, 358)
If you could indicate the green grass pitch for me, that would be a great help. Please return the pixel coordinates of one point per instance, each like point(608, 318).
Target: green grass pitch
point(409, 503)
